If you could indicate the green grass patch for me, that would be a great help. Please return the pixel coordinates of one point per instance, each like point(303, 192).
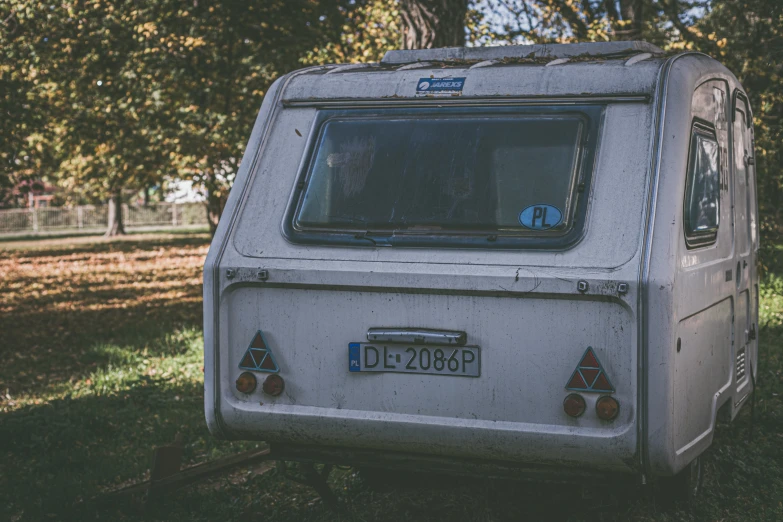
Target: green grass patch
point(66, 445)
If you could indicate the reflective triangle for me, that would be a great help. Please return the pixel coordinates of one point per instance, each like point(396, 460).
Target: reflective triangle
point(258, 357)
point(589, 375)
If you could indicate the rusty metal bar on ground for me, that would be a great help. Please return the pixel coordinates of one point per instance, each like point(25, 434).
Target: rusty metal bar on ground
point(166, 476)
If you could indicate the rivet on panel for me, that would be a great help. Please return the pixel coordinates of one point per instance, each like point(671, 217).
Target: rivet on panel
point(582, 286)
point(230, 273)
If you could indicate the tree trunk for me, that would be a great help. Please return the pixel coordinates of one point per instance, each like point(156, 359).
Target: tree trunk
point(116, 225)
point(631, 12)
point(433, 23)
point(215, 205)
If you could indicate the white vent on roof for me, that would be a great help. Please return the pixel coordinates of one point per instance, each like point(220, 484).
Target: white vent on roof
point(449, 54)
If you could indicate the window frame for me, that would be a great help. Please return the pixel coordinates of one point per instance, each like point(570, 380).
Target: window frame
point(590, 113)
point(703, 238)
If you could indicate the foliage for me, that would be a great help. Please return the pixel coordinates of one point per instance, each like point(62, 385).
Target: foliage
point(21, 113)
point(368, 32)
point(103, 361)
point(564, 21)
point(118, 94)
point(227, 55)
point(96, 120)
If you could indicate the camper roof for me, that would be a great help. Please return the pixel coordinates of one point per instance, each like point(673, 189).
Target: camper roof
point(448, 54)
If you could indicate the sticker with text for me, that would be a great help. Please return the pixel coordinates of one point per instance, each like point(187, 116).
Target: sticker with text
point(439, 86)
point(540, 217)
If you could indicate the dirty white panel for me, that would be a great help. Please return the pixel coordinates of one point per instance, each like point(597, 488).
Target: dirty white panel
point(689, 290)
point(530, 347)
point(529, 350)
point(702, 369)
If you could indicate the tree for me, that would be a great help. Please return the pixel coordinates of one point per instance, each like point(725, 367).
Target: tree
point(369, 30)
point(22, 115)
point(95, 112)
point(561, 21)
point(227, 55)
point(118, 95)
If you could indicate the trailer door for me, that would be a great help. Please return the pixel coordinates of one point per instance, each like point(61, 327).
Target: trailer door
point(745, 326)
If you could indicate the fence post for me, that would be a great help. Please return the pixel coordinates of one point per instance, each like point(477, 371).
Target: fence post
point(80, 216)
point(35, 219)
point(174, 214)
point(110, 210)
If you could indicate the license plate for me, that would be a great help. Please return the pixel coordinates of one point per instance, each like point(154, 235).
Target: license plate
point(462, 361)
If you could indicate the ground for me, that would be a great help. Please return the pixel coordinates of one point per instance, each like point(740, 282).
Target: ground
point(102, 361)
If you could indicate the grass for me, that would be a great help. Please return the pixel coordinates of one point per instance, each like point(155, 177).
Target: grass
point(102, 361)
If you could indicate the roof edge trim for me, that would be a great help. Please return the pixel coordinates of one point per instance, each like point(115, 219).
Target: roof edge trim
point(451, 54)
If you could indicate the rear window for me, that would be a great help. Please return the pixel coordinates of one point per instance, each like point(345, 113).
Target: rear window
point(447, 177)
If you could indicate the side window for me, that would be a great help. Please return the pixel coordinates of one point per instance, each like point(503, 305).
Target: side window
point(702, 190)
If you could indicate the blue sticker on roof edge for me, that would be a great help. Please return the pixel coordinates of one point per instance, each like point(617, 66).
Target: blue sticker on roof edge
point(438, 86)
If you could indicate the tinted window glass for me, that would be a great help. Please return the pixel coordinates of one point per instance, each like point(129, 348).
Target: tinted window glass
point(702, 198)
point(419, 175)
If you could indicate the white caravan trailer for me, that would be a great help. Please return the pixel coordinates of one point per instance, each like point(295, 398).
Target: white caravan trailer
point(528, 260)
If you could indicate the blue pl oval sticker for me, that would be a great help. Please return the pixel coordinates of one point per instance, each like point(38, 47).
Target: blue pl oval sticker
point(540, 217)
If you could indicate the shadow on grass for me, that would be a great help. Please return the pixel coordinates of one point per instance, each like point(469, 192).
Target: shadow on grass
point(58, 349)
point(66, 301)
point(58, 455)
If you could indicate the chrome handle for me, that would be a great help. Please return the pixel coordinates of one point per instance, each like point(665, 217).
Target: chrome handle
point(417, 336)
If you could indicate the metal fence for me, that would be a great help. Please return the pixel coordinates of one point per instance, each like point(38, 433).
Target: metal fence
point(90, 217)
